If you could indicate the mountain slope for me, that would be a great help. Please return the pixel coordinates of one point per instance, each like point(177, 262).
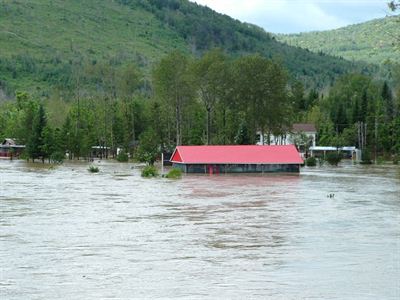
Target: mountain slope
point(375, 41)
point(44, 42)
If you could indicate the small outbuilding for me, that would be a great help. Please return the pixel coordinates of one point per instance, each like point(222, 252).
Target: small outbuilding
point(9, 148)
point(237, 159)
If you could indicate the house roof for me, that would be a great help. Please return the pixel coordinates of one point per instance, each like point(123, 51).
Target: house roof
point(8, 142)
point(304, 127)
point(237, 154)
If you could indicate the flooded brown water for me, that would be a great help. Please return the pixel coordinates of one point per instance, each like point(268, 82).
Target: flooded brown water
point(68, 234)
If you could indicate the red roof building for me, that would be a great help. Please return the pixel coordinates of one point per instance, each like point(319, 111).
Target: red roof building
point(237, 159)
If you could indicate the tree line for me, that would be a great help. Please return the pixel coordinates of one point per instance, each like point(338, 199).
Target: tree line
point(212, 99)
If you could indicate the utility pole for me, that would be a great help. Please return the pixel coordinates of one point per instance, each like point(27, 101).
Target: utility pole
point(376, 135)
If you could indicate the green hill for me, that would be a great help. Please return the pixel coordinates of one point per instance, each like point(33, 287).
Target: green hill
point(376, 41)
point(44, 43)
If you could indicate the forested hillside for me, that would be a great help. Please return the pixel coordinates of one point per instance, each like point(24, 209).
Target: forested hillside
point(46, 44)
point(376, 41)
point(145, 76)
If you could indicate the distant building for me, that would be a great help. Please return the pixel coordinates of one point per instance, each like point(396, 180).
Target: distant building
point(100, 152)
point(348, 151)
point(300, 135)
point(9, 148)
point(237, 159)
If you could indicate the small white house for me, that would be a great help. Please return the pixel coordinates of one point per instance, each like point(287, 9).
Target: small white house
point(301, 134)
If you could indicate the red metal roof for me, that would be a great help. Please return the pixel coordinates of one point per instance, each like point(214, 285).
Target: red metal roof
point(237, 154)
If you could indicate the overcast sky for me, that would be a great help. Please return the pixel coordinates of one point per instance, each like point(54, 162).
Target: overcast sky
point(293, 16)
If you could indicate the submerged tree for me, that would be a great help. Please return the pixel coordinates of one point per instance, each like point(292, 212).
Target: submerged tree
point(148, 149)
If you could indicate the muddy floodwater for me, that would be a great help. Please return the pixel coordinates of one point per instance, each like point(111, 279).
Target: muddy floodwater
point(68, 234)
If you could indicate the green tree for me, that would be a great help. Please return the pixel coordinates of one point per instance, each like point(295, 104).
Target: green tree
point(208, 71)
point(394, 5)
point(261, 86)
point(48, 147)
point(387, 98)
point(35, 145)
point(129, 80)
point(173, 83)
point(298, 97)
point(148, 149)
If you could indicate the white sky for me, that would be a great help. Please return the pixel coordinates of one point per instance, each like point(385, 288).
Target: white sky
point(293, 16)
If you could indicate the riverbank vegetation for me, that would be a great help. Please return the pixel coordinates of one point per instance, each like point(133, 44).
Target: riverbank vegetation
point(149, 171)
point(93, 169)
point(174, 173)
point(212, 99)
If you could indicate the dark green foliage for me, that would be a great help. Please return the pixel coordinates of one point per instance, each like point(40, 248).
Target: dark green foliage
point(366, 157)
point(36, 147)
point(175, 84)
point(260, 86)
point(174, 174)
point(373, 41)
point(122, 157)
point(149, 171)
point(148, 150)
point(210, 73)
point(214, 99)
point(388, 101)
point(333, 158)
point(242, 137)
point(311, 162)
point(394, 5)
point(57, 157)
point(55, 47)
point(93, 169)
point(360, 112)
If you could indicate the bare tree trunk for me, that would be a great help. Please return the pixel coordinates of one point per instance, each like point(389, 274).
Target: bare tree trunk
point(262, 136)
point(208, 125)
point(178, 126)
point(224, 125)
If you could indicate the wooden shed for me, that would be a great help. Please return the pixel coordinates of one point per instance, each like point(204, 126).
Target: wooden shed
point(237, 159)
point(9, 148)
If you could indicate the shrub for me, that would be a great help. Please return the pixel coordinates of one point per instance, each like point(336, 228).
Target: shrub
point(396, 159)
point(57, 157)
point(311, 161)
point(93, 169)
point(122, 157)
point(334, 158)
point(149, 171)
point(366, 157)
point(174, 174)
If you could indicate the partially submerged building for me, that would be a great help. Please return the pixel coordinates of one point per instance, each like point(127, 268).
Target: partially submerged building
point(9, 148)
point(237, 159)
point(348, 152)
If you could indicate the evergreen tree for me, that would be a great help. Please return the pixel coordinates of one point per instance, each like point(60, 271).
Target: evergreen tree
point(364, 106)
point(388, 101)
point(36, 145)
